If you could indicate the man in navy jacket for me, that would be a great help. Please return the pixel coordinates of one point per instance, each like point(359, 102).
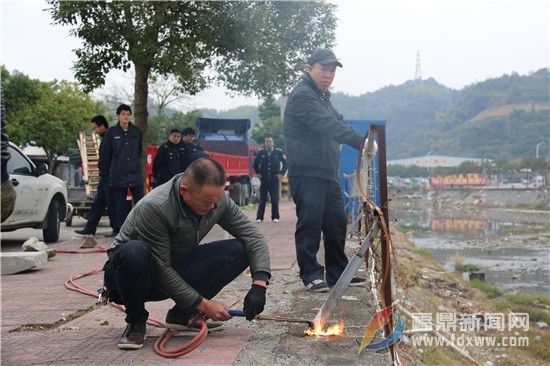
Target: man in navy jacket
point(123, 149)
point(270, 166)
point(103, 197)
point(313, 132)
point(168, 161)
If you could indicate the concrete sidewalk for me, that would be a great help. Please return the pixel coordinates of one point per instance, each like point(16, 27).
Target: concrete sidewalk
point(37, 310)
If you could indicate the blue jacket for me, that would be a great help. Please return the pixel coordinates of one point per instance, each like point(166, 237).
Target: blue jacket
point(123, 155)
point(313, 132)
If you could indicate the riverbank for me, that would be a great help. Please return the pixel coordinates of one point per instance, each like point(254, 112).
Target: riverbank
point(427, 288)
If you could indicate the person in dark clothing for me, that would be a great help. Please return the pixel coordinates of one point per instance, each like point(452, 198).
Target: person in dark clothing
point(123, 149)
point(103, 197)
point(313, 132)
point(157, 254)
point(8, 192)
point(168, 161)
point(270, 166)
point(192, 150)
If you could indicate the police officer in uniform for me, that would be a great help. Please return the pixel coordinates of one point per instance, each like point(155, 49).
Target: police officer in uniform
point(192, 151)
point(168, 161)
point(270, 166)
point(123, 149)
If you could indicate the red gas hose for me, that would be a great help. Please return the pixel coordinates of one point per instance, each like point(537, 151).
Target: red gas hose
point(161, 342)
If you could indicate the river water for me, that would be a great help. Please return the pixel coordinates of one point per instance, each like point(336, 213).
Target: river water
point(513, 249)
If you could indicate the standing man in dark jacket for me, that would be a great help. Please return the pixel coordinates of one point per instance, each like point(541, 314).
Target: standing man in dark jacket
point(123, 151)
point(192, 150)
point(103, 197)
point(157, 254)
point(168, 161)
point(270, 166)
point(313, 132)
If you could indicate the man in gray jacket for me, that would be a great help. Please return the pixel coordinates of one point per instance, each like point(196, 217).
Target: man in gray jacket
point(157, 254)
point(313, 132)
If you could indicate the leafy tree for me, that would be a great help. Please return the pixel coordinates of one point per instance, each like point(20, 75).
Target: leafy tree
point(256, 47)
point(538, 165)
point(273, 127)
point(55, 120)
point(161, 124)
point(188, 119)
point(269, 109)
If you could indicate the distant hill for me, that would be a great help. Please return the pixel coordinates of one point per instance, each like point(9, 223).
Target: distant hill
point(503, 117)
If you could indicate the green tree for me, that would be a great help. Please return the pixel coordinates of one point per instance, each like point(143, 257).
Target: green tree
point(55, 120)
point(160, 124)
point(269, 109)
point(273, 127)
point(20, 92)
point(186, 119)
point(256, 47)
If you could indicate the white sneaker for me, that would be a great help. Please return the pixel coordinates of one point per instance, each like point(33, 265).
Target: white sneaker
point(258, 221)
point(275, 220)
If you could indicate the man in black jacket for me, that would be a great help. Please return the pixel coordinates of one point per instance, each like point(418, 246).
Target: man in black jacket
point(103, 197)
point(270, 166)
point(168, 161)
point(192, 151)
point(313, 132)
point(123, 151)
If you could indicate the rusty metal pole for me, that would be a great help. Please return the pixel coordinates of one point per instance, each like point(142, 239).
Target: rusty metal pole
point(386, 251)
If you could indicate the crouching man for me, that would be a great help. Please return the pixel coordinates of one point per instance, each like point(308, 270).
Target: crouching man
point(157, 254)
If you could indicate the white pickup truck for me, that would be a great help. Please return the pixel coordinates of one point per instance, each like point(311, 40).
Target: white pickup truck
point(41, 201)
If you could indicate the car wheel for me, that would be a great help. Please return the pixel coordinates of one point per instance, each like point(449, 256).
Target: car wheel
point(51, 232)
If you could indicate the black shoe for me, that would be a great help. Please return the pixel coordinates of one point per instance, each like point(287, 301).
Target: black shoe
point(357, 282)
point(133, 336)
point(317, 286)
point(175, 320)
point(84, 232)
point(111, 234)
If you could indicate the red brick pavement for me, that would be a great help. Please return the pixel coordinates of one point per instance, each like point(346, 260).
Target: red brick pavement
point(39, 297)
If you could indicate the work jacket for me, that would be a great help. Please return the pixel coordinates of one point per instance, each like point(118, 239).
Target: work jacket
point(161, 221)
point(123, 153)
point(103, 162)
point(313, 132)
point(191, 153)
point(168, 162)
point(270, 164)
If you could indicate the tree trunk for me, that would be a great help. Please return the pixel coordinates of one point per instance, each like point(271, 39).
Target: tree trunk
point(141, 92)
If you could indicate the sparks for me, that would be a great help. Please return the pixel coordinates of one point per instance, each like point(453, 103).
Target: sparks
point(330, 331)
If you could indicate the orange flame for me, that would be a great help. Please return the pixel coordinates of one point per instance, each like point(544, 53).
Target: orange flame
point(330, 331)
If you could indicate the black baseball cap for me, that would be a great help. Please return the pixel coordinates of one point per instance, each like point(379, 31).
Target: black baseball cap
point(323, 56)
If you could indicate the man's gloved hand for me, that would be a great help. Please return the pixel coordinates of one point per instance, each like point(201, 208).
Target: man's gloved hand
point(254, 301)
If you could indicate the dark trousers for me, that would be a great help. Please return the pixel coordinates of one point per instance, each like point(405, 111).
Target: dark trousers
point(103, 199)
point(130, 274)
point(319, 208)
point(121, 205)
point(269, 185)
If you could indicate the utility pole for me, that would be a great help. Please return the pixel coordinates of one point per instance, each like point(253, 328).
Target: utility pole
point(418, 72)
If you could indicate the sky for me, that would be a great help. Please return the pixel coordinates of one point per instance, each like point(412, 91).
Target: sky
point(459, 42)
